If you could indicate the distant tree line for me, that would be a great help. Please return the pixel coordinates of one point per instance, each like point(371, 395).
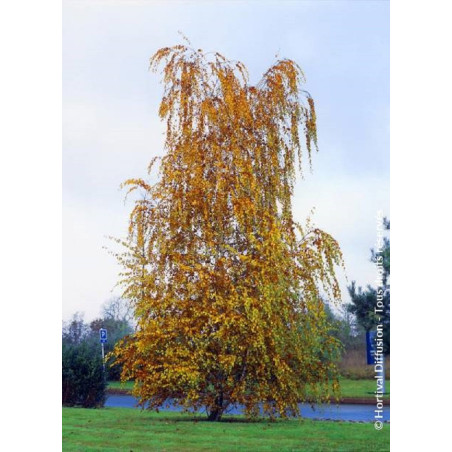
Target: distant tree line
point(84, 382)
point(351, 321)
point(363, 302)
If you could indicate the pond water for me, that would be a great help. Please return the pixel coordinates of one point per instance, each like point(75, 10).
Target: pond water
point(343, 412)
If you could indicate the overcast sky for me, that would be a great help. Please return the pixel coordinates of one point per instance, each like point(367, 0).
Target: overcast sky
point(111, 129)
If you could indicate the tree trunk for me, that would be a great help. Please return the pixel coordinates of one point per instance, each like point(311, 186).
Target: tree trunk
point(216, 411)
point(215, 415)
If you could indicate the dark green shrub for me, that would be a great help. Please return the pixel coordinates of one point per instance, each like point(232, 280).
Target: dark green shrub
point(83, 379)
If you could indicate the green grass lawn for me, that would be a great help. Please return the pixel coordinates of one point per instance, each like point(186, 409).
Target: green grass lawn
point(360, 388)
point(128, 385)
point(349, 388)
point(124, 429)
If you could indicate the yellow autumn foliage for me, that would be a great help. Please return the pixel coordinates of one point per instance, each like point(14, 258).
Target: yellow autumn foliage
point(226, 285)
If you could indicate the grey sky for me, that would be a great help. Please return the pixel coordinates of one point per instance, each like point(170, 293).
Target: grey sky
point(111, 129)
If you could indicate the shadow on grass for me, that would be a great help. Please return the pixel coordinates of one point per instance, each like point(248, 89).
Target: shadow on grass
point(222, 421)
point(188, 417)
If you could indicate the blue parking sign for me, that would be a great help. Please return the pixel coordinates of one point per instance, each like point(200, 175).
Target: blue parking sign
point(103, 335)
point(370, 346)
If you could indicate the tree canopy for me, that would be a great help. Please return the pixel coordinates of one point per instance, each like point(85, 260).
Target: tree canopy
point(225, 284)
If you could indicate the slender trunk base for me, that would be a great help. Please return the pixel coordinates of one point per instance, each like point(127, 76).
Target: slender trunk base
point(217, 410)
point(215, 415)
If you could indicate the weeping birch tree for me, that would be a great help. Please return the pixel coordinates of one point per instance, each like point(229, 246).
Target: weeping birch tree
point(226, 285)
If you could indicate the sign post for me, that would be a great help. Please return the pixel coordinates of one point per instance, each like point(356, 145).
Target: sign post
point(103, 340)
